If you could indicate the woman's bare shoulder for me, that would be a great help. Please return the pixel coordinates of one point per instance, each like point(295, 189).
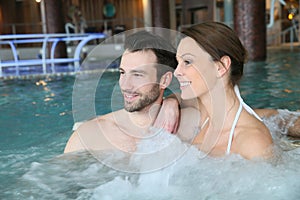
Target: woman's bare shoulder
point(254, 141)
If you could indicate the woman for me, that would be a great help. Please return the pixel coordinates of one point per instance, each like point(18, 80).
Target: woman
point(210, 64)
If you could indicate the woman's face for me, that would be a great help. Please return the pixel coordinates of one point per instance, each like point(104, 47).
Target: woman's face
point(196, 71)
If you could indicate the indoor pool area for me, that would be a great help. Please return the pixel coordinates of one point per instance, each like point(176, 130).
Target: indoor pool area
point(37, 117)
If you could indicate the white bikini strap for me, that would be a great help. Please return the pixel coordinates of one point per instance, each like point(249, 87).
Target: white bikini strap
point(250, 110)
point(237, 116)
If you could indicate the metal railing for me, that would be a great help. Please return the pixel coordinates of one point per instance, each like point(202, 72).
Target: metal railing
point(291, 33)
point(44, 39)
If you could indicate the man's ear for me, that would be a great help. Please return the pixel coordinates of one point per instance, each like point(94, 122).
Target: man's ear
point(224, 65)
point(166, 80)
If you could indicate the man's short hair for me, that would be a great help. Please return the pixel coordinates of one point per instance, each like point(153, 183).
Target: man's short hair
point(164, 51)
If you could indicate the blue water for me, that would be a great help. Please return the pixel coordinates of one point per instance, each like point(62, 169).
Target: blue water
point(273, 83)
point(36, 121)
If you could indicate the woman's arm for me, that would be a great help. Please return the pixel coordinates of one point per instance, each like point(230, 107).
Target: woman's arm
point(169, 115)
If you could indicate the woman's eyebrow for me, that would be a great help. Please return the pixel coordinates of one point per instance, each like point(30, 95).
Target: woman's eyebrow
point(187, 54)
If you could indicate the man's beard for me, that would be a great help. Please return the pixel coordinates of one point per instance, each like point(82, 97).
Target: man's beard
point(144, 101)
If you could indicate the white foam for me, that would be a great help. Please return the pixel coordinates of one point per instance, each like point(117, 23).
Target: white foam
point(169, 170)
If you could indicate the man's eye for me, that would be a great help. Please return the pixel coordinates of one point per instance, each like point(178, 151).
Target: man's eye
point(121, 72)
point(138, 75)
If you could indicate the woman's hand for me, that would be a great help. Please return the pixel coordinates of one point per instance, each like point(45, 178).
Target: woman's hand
point(168, 117)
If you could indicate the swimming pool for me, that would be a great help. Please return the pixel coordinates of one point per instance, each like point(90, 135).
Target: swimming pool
point(36, 122)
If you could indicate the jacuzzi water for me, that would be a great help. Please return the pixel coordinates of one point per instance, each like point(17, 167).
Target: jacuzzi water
point(36, 121)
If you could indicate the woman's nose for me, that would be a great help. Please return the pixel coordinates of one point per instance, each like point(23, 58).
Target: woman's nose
point(178, 71)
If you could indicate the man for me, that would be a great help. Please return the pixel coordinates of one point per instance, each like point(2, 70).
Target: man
point(145, 72)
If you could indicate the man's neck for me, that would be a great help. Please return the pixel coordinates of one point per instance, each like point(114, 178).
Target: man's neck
point(144, 119)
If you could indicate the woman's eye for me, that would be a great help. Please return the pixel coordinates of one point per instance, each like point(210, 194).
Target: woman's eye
point(187, 62)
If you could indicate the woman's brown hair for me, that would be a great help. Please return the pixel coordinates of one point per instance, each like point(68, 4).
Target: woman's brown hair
point(219, 40)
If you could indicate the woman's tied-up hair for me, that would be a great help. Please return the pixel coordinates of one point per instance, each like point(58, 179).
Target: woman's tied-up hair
point(219, 40)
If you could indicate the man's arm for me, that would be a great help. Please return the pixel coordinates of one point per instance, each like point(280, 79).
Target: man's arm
point(293, 130)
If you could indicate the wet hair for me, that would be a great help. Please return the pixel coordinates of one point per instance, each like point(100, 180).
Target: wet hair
point(219, 40)
point(165, 53)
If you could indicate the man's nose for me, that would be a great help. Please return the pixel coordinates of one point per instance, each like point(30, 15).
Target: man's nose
point(126, 83)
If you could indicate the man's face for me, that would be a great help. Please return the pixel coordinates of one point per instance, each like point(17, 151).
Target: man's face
point(138, 81)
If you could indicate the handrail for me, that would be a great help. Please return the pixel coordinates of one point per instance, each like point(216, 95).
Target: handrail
point(290, 30)
point(271, 23)
point(12, 40)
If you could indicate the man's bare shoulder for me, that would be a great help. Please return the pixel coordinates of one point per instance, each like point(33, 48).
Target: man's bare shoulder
point(94, 134)
point(74, 144)
point(84, 130)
